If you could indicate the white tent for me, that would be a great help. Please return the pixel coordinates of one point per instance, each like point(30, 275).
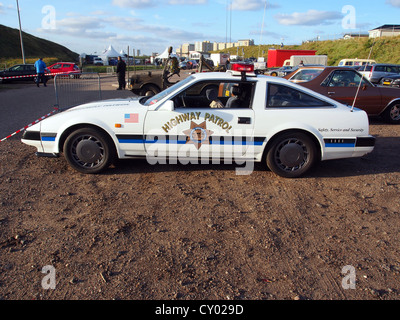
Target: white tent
point(108, 54)
point(122, 53)
point(165, 55)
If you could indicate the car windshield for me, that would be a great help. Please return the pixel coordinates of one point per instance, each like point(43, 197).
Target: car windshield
point(307, 74)
point(158, 97)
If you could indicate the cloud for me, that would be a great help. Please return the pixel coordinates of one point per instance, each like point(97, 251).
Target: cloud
point(135, 3)
point(189, 2)
point(309, 18)
point(140, 4)
point(3, 8)
point(394, 3)
point(251, 5)
point(120, 31)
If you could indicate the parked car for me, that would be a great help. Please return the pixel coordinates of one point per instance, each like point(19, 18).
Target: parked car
point(97, 61)
point(342, 83)
point(376, 72)
point(305, 74)
point(211, 115)
point(280, 72)
point(355, 62)
point(188, 64)
point(392, 81)
point(18, 72)
point(69, 68)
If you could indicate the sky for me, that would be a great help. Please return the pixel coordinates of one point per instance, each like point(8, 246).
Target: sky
point(153, 25)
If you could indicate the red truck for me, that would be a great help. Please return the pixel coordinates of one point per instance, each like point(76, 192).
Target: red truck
point(276, 57)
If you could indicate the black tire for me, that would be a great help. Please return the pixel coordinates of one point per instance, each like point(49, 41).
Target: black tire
point(88, 150)
point(291, 154)
point(392, 113)
point(149, 90)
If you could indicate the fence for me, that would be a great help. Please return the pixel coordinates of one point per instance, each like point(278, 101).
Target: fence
point(72, 90)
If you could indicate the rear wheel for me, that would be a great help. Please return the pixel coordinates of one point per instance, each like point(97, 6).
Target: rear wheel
point(291, 154)
point(392, 113)
point(89, 150)
point(148, 91)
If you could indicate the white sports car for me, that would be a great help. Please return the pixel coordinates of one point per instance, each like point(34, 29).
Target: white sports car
point(232, 116)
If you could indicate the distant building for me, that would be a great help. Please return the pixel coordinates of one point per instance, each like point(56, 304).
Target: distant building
point(185, 49)
point(203, 46)
point(347, 36)
point(387, 30)
point(246, 43)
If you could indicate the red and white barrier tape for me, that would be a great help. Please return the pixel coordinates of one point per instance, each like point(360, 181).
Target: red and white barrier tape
point(25, 76)
point(29, 125)
point(35, 75)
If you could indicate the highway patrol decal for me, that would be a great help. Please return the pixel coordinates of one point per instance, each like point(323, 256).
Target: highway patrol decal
point(190, 116)
point(198, 134)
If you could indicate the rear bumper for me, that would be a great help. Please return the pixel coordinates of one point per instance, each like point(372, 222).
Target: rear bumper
point(365, 142)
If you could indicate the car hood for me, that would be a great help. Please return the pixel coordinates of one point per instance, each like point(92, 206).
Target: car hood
point(111, 103)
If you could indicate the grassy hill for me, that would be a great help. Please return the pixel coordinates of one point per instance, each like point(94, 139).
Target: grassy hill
point(384, 49)
point(34, 47)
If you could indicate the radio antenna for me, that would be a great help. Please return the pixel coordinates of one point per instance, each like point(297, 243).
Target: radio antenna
point(262, 29)
point(361, 79)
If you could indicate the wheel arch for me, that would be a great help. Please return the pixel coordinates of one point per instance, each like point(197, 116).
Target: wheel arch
point(396, 100)
point(311, 135)
point(149, 85)
point(78, 126)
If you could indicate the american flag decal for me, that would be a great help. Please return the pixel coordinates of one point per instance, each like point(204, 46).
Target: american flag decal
point(131, 118)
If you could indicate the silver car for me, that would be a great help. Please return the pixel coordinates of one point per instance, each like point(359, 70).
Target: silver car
point(376, 72)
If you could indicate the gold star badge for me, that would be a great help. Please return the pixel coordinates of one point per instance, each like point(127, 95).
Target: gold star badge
point(198, 134)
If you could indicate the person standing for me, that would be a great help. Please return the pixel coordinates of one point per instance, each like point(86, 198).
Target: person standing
point(228, 64)
point(41, 67)
point(121, 69)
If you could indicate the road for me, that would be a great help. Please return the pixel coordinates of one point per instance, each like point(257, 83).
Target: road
point(23, 103)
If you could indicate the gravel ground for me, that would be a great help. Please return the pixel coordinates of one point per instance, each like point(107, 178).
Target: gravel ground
point(197, 231)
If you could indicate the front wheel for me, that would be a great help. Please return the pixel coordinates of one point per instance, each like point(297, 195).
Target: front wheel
point(291, 155)
point(392, 113)
point(88, 150)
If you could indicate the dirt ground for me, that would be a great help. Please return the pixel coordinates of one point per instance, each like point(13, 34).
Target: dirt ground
point(197, 232)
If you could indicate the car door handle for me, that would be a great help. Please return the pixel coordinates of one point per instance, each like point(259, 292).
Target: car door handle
point(244, 120)
point(331, 93)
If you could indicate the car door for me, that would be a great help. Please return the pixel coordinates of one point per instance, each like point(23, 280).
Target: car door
point(187, 128)
point(342, 86)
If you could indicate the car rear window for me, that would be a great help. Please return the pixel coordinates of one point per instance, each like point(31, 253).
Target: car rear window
point(284, 96)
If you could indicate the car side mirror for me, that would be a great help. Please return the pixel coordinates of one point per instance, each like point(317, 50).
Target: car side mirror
point(167, 106)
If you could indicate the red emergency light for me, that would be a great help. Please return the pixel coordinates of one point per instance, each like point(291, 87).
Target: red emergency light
point(242, 67)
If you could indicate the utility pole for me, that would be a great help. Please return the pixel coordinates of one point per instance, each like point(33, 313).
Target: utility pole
point(20, 35)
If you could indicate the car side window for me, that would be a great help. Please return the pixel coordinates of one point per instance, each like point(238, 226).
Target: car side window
point(284, 96)
point(17, 68)
point(345, 78)
point(216, 94)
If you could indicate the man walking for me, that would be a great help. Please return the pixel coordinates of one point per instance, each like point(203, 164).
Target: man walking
point(40, 66)
point(121, 69)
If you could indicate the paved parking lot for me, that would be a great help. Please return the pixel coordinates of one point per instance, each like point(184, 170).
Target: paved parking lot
point(23, 102)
